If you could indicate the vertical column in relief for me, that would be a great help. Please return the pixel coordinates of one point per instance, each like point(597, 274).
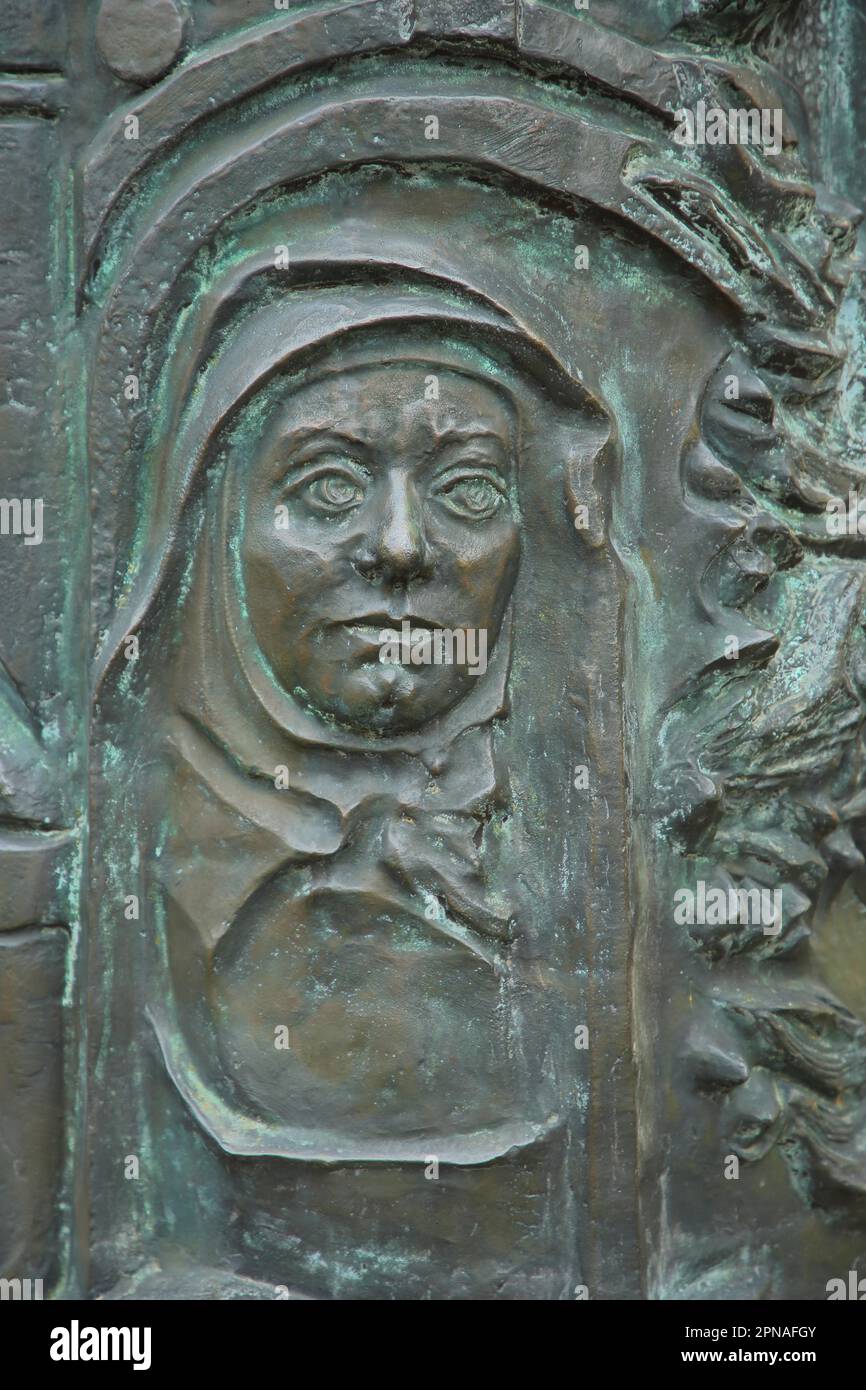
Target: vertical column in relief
point(32, 967)
point(40, 712)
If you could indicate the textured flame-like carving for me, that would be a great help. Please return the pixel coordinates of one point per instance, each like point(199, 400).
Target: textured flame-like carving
point(772, 744)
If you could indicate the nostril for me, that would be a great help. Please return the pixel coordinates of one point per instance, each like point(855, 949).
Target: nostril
point(395, 562)
point(367, 566)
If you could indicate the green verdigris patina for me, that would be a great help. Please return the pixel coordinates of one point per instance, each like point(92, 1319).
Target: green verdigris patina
point(453, 980)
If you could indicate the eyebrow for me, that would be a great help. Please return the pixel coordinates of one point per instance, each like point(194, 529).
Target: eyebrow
point(456, 435)
point(307, 434)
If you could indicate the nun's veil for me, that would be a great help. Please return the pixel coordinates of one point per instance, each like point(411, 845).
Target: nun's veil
point(211, 709)
point(253, 331)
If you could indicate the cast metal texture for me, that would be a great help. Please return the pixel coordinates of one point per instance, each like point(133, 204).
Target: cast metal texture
point(333, 977)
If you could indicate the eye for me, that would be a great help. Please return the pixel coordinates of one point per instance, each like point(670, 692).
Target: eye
point(474, 496)
point(334, 492)
point(328, 488)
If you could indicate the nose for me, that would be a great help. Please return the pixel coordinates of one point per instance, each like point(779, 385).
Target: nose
point(395, 549)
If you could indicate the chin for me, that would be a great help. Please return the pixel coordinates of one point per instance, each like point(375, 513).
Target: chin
point(388, 700)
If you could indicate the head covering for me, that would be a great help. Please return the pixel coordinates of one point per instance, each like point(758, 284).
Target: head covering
point(388, 827)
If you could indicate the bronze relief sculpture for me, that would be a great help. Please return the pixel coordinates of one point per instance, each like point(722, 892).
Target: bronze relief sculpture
point(528, 973)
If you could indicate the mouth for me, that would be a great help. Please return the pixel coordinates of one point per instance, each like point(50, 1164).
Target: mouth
point(379, 622)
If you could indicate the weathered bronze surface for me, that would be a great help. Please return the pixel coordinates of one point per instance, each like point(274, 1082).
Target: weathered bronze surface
point(326, 972)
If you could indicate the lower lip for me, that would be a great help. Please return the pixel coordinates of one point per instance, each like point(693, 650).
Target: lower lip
point(365, 629)
point(367, 639)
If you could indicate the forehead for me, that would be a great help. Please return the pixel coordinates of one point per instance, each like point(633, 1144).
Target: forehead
point(385, 396)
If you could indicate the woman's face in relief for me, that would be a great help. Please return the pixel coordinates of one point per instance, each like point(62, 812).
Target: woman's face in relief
point(371, 506)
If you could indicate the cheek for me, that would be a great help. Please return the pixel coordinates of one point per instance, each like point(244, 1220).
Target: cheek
point(279, 578)
point(282, 561)
point(489, 567)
